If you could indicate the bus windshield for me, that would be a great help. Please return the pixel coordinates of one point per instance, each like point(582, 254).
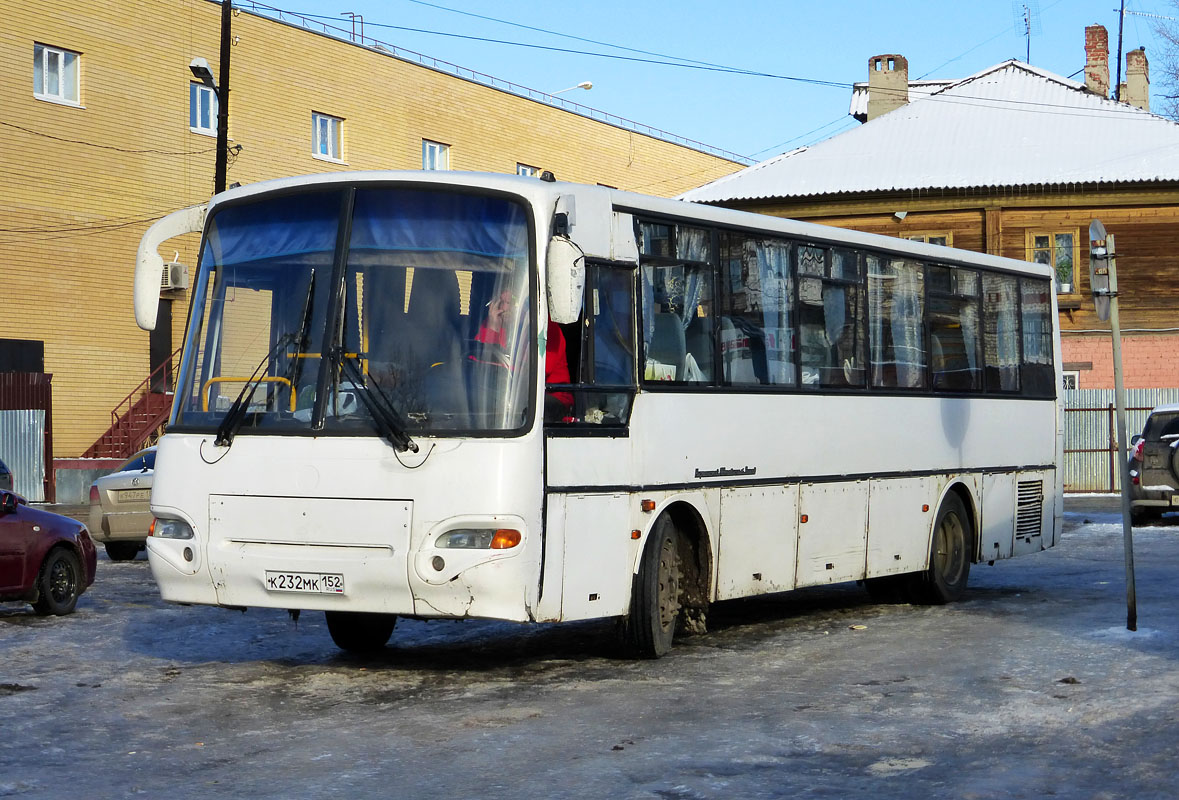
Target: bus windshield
point(313, 311)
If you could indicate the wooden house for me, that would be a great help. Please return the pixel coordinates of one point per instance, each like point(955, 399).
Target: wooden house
point(1014, 161)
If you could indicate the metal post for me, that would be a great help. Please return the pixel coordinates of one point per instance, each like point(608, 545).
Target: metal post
point(1103, 283)
point(1123, 464)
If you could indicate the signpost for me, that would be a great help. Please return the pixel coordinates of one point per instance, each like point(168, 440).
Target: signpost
point(1103, 282)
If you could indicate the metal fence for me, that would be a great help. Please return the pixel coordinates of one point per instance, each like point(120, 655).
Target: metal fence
point(1090, 434)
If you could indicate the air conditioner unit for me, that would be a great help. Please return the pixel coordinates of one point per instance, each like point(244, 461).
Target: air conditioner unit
point(174, 276)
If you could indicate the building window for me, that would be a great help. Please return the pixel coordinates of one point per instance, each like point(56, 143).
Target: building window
point(435, 155)
point(326, 137)
point(55, 74)
point(945, 239)
point(1058, 249)
point(527, 171)
point(202, 109)
point(1071, 380)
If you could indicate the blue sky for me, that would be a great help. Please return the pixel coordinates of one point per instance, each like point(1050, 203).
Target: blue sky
point(750, 115)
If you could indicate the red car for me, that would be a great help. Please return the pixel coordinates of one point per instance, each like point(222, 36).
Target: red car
point(45, 559)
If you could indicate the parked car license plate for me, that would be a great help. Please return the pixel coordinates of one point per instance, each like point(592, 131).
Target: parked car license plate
point(311, 582)
point(132, 495)
point(1175, 499)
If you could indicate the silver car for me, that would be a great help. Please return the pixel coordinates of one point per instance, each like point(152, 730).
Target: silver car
point(1154, 466)
point(120, 512)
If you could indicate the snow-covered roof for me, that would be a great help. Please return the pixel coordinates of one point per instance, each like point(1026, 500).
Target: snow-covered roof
point(1010, 125)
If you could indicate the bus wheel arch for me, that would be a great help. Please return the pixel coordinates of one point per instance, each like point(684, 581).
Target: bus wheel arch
point(670, 589)
point(952, 548)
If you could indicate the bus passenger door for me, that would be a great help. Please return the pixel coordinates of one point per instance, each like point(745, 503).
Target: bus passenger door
point(758, 540)
point(833, 541)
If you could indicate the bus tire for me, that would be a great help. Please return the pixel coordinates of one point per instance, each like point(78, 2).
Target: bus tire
point(358, 632)
point(950, 552)
point(655, 600)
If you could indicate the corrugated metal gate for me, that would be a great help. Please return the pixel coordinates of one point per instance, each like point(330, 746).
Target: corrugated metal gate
point(1090, 434)
point(22, 449)
point(26, 432)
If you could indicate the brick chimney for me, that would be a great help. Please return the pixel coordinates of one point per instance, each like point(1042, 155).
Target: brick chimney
point(888, 84)
point(1137, 91)
point(1097, 60)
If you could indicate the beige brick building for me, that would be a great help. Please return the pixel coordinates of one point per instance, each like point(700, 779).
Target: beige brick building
point(97, 141)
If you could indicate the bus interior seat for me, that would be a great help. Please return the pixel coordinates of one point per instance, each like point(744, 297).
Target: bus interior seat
point(699, 340)
point(667, 342)
point(429, 335)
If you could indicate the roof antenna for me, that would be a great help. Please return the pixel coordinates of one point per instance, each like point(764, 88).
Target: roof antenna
point(1027, 19)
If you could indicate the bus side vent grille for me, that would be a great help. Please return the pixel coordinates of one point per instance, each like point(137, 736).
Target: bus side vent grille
point(1030, 508)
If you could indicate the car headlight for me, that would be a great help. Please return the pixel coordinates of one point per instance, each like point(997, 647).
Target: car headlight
point(478, 539)
point(170, 529)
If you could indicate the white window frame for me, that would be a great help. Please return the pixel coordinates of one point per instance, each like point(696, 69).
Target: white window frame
point(527, 171)
point(435, 155)
point(1070, 375)
point(327, 137)
point(198, 93)
point(67, 64)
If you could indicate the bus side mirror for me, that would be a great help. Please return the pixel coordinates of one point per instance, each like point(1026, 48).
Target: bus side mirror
point(149, 267)
point(565, 270)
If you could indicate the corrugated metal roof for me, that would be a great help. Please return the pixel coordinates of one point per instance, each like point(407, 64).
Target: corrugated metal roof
point(1010, 125)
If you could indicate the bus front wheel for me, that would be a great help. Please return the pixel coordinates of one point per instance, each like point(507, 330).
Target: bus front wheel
point(655, 601)
point(949, 556)
point(358, 632)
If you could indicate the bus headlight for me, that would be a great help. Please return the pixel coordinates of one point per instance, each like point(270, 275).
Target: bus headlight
point(170, 529)
point(478, 539)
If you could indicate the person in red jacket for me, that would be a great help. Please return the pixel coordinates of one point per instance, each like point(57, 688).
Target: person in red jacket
point(556, 364)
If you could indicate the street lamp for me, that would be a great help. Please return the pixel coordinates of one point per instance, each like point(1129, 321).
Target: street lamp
point(201, 71)
point(582, 85)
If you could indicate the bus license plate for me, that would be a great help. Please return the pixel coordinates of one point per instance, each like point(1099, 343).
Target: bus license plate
point(310, 582)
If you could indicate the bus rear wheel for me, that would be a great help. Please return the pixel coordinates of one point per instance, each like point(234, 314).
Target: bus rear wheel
point(655, 601)
point(358, 632)
point(949, 556)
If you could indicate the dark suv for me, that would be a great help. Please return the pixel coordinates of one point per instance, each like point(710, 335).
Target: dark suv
point(1154, 466)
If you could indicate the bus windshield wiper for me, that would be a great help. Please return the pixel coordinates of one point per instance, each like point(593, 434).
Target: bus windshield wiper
point(389, 423)
point(296, 366)
point(237, 412)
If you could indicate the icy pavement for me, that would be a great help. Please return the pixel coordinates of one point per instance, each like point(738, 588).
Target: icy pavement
point(1030, 688)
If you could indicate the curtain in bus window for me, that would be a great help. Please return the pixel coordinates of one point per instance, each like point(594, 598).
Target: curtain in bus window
point(439, 228)
point(756, 311)
point(953, 329)
point(777, 295)
point(896, 314)
point(677, 331)
point(289, 228)
point(830, 318)
point(1001, 332)
point(1035, 302)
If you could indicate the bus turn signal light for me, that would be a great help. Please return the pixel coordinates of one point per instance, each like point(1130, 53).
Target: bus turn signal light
point(505, 539)
point(647, 505)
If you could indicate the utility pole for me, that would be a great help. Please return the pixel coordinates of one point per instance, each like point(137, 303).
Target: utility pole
point(219, 175)
point(1103, 282)
point(1118, 85)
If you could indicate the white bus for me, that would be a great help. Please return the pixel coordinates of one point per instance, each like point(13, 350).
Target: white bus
point(363, 424)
